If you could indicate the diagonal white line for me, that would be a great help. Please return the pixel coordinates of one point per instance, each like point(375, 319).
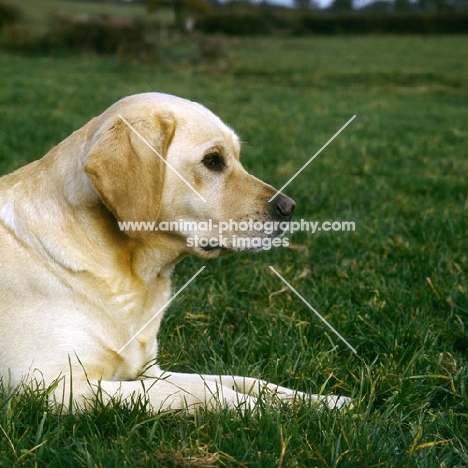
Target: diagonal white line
point(313, 157)
point(150, 146)
point(314, 311)
point(161, 309)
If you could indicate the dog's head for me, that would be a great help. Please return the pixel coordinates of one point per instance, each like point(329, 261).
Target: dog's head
point(158, 158)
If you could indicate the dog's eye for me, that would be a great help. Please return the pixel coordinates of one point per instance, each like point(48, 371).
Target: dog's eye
point(213, 161)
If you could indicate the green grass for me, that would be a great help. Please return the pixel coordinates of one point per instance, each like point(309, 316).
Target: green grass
point(396, 288)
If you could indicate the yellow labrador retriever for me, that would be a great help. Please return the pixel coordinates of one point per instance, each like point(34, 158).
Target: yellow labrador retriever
point(75, 288)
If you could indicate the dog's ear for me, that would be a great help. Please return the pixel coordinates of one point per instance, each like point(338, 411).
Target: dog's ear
point(125, 167)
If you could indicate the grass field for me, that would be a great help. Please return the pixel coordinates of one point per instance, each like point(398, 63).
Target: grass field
point(395, 288)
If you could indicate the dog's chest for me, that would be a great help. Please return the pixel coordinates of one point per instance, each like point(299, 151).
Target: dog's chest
point(134, 360)
point(137, 348)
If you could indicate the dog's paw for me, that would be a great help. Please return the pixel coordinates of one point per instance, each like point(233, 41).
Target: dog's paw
point(337, 402)
point(329, 401)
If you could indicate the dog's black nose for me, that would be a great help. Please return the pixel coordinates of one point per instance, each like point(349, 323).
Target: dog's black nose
point(284, 207)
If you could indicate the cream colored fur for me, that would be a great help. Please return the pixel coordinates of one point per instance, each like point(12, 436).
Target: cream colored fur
point(74, 288)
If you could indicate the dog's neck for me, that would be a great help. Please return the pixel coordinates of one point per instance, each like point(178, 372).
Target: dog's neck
point(66, 230)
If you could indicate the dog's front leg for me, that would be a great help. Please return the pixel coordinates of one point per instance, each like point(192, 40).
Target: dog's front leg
point(259, 388)
point(171, 391)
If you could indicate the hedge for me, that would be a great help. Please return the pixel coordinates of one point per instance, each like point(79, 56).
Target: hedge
point(9, 14)
point(233, 24)
point(390, 23)
point(242, 23)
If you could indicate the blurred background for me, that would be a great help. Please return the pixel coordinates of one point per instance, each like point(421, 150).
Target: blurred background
point(135, 28)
